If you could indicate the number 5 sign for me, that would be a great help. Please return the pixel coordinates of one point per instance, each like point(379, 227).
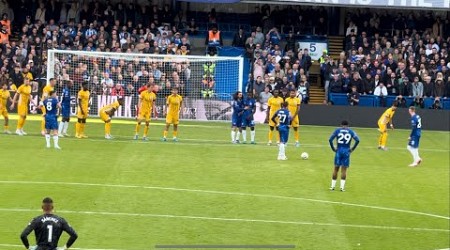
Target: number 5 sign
point(315, 48)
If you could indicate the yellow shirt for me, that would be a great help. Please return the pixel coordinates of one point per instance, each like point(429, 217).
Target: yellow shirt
point(174, 103)
point(147, 99)
point(4, 95)
point(28, 75)
point(108, 108)
point(46, 91)
point(83, 97)
point(386, 117)
point(293, 104)
point(275, 104)
point(25, 93)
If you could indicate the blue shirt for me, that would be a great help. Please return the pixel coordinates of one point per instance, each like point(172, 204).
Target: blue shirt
point(251, 104)
point(238, 106)
point(51, 106)
point(416, 124)
point(284, 118)
point(65, 101)
point(344, 137)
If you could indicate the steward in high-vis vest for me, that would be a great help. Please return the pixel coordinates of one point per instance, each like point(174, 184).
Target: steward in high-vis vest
point(213, 40)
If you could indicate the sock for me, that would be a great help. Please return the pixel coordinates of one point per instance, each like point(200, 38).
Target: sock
point(145, 130)
point(333, 183)
point(66, 126)
point(60, 127)
point(20, 123)
point(175, 133)
point(296, 135)
point(138, 127)
point(6, 127)
point(270, 135)
point(342, 184)
point(55, 140)
point(238, 135)
point(47, 139)
point(281, 150)
point(82, 128)
point(23, 123)
point(77, 128)
point(165, 133)
point(278, 137)
point(244, 135)
point(43, 124)
point(252, 135)
point(380, 139)
point(416, 155)
point(384, 139)
point(411, 150)
point(233, 136)
point(108, 128)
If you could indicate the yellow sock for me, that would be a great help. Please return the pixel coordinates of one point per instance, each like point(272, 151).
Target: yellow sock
point(43, 124)
point(270, 135)
point(138, 127)
point(108, 128)
point(296, 135)
point(384, 139)
point(20, 122)
point(77, 128)
point(175, 133)
point(145, 131)
point(6, 127)
point(82, 125)
point(278, 137)
point(165, 133)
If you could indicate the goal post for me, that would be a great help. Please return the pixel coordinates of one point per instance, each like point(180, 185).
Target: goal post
point(206, 83)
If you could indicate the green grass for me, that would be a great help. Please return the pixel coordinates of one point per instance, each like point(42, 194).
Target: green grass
point(204, 190)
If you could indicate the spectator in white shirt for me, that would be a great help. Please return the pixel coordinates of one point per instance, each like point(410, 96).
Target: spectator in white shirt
point(380, 90)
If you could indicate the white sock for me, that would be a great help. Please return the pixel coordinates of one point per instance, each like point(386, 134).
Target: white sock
point(281, 150)
point(252, 134)
point(238, 135)
point(333, 183)
point(66, 126)
point(416, 155)
point(60, 127)
point(342, 184)
point(55, 140)
point(47, 139)
point(233, 136)
point(244, 135)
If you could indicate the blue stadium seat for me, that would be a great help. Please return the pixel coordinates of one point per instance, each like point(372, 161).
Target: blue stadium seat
point(367, 100)
point(428, 102)
point(389, 100)
point(445, 103)
point(339, 99)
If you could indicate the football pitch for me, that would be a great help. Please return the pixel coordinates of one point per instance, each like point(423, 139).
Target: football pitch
point(203, 190)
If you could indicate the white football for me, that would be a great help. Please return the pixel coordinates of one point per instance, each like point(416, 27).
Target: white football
point(304, 156)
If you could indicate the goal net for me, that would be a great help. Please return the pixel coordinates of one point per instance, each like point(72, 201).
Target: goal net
point(206, 83)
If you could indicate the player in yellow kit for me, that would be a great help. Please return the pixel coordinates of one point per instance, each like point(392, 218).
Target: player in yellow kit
point(386, 118)
point(83, 110)
point(106, 113)
point(50, 87)
point(273, 105)
point(5, 96)
point(147, 99)
point(22, 98)
point(294, 107)
point(173, 105)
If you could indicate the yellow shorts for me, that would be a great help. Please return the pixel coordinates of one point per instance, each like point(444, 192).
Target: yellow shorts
point(4, 112)
point(105, 117)
point(81, 115)
point(295, 123)
point(382, 127)
point(173, 119)
point(144, 115)
point(271, 123)
point(22, 110)
point(44, 111)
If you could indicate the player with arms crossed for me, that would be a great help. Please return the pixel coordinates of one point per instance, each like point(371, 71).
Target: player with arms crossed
point(343, 137)
point(48, 229)
point(386, 118)
point(273, 105)
point(282, 120)
point(414, 137)
point(23, 96)
point(45, 94)
point(236, 117)
point(5, 96)
point(83, 110)
point(106, 113)
point(248, 118)
point(65, 109)
point(174, 102)
point(147, 99)
point(294, 107)
point(51, 107)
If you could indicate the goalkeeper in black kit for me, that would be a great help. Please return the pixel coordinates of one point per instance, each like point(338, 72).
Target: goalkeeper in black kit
point(47, 229)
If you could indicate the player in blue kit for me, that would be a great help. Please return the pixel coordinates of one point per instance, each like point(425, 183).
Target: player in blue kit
point(414, 137)
point(236, 117)
point(247, 119)
point(283, 124)
point(65, 109)
point(51, 106)
point(343, 137)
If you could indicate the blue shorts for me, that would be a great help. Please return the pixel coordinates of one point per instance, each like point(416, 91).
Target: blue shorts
point(414, 141)
point(65, 111)
point(236, 121)
point(342, 158)
point(284, 134)
point(248, 121)
point(51, 122)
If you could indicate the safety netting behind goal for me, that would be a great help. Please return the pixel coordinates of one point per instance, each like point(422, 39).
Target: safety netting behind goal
point(206, 83)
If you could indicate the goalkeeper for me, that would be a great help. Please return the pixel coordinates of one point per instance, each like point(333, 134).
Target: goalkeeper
point(48, 228)
point(106, 113)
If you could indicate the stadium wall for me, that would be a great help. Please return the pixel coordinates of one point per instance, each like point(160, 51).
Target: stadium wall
point(367, 117)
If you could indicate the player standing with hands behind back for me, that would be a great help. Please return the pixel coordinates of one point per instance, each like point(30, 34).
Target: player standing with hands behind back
point(414, 137)
point(48, 228)
point(343, 137)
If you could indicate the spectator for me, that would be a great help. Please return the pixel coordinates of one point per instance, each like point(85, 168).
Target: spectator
point(239, 39)
point(118, 90)
point(368, 85)
point(428, 88)
point(303, 90)
point(381, 92)
point(392, 85)
point(259, 36)
point(418, 102)
point(264, 96)
point(305, 61)
point(213, 40)
point(353, 97)
point(401, 101)
point(352, 29)
point(192, 28)
point(436, 104)
point(335, 84)
point(258, 87)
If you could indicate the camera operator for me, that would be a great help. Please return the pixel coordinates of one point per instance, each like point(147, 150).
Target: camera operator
point(353, 97)
point(436, 104)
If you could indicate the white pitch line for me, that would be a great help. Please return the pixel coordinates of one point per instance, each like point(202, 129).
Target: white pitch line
point(226, 193)
point(75, 248)
point(235, 220)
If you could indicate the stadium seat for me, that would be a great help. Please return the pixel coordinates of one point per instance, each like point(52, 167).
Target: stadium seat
point(428, 102)
point(339, 99)
point(367, 101)
point(445, 103)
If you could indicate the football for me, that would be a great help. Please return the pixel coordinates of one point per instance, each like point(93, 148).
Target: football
point(304, 156)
